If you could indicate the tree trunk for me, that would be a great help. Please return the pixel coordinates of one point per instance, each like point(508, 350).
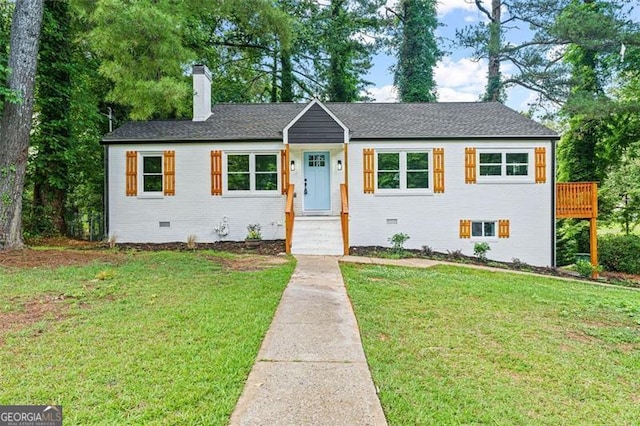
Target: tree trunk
point(15, 124)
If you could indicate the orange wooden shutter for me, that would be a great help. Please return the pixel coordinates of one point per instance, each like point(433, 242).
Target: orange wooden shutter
point(169, 173)
point(438, 170)
point(216, 172)
point(132, 173)
point(368, 165)
point(284, 169)
point(541, 165)
point(465, 229)
point(503, 229)
point(469, 165)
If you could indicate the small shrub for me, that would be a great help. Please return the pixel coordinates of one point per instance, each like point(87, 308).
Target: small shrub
point(427, 251)
point(105, 275)
point(586, 269)
point(191, 242)
point(455, 254)
point(480, 250)
point(620, 253)
point(397, 242)
point(253, 232)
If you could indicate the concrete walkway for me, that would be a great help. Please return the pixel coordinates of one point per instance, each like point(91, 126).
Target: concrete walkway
point(311, 368)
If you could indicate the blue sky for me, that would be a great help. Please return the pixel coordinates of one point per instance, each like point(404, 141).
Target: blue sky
point(458, 77)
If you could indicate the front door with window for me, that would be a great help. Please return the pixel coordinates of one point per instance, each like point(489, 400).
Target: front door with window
point(317, 182)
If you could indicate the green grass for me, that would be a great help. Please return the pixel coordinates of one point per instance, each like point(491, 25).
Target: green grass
point(456, 346)
point(163, 338)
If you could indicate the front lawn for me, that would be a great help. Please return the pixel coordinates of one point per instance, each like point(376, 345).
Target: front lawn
point(449, 345)
point(139, 337)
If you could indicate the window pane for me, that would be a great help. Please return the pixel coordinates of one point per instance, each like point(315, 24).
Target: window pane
point(490, 170)
point(417, 180)
point(238, 163)
point(518, 158)
point(417, 161)
point(152, 183)
point(489, 229)
point(490, 158)
point(238, 182)
point(266, 163)
point(521, 170)
point(152, 165)
point(388, 161)
point(266, 181)
point(388, 180)
point(476, 229)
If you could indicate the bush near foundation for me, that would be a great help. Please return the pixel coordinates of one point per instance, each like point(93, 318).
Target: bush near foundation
point(620, 253)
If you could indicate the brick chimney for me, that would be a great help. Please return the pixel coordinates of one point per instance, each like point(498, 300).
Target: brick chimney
point(201, 93)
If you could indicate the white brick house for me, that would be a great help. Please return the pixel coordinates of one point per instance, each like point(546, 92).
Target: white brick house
point(447, 174)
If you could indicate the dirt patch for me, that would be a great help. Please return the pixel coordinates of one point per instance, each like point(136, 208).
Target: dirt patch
point(250, 262)
point(49, 307)
point(28, 258)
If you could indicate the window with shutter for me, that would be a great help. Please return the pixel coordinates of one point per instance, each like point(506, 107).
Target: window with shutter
point(169, 173)
point(465, 229)
point(368, 167)
point(470, 165)
point(132, 174)
point(438, 170)
point(541, 165)
point(216, 172)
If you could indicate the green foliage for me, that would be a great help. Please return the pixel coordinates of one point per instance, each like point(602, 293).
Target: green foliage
point(253, 232)
point(619, 199)
point(397, 242)
point(586, 269)
point(620, 253)
point(418, 52)
point(572, 237)
point(480, 250)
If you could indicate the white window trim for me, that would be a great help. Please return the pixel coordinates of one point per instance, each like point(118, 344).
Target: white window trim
point(252, 192)
point(493, 238)
point(503, 178)
point(403, 190)
point(149, 194)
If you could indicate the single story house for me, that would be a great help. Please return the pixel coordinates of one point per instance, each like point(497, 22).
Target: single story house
point(449, 175)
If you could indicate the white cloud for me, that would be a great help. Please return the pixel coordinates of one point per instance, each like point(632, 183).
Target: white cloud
point(387, 93)
point(448, 6)
point(460, 80)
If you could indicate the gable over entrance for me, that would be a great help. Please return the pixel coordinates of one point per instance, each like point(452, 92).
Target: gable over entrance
point(315, 124)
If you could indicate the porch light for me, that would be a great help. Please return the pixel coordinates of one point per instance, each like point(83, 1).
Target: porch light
point(293, 166)
point(339, 165)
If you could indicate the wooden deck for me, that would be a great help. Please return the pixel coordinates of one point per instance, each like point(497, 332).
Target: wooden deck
point(577, 200)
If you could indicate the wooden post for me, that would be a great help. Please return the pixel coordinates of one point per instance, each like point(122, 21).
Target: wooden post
point(593, 229)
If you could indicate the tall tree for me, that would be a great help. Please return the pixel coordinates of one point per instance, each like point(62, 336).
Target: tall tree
point(418, 51)
point(52, 139)
point(16, 121)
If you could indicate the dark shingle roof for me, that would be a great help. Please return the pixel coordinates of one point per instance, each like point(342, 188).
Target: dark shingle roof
point(258, 122)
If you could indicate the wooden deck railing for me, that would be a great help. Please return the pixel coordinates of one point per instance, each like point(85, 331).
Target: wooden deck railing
point(344, 218)
point(289, 216)
point(577, 200)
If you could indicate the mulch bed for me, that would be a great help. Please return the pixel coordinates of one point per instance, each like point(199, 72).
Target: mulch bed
point(379, 251)
point(264, 247)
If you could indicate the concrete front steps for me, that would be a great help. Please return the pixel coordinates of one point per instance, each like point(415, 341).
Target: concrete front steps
point(317, 235)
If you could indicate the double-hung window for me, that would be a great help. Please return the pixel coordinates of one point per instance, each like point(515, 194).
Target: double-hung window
point(483, 229)
point(252, 172)
point(152, 173)
point(506, 165)
point(403, 170)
